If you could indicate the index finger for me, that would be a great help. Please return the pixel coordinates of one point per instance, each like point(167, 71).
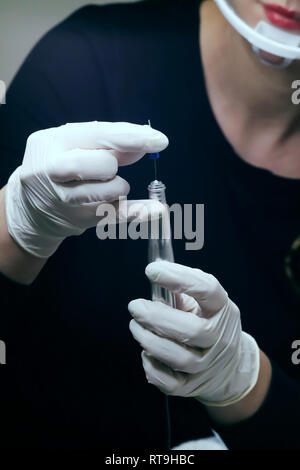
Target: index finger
point(128, 140)
point(204, 287)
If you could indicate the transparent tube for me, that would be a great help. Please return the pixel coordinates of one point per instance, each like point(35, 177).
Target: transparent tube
point(160, 247)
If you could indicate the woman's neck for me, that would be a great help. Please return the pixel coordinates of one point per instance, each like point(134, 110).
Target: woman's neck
point(252, 102)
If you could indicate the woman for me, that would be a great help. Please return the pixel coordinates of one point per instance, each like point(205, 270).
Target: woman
point(73, 370)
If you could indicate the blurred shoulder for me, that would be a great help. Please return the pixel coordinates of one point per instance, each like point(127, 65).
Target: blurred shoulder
point(102, 21)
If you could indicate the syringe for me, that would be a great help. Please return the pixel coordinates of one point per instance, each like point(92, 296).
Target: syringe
point(160, 248)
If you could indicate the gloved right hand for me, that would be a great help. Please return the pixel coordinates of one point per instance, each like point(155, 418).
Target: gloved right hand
point(66, 173)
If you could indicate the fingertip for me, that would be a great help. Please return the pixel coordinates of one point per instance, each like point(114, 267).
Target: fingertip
point(134, 304)
point(156, 142)
point(131, 325)
point(130, 306)
point(153, 269)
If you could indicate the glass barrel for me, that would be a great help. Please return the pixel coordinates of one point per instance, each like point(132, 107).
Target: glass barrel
point(160, 245)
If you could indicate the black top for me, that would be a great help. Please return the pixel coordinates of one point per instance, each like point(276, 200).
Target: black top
point(74, 377)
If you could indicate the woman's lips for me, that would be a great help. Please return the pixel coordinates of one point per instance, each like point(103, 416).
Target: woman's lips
point(282, 17)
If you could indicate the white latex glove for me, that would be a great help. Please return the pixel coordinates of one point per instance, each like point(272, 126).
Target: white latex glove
point(66, 172)
point(198, 349)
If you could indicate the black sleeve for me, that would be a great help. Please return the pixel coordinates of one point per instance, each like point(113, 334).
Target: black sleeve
point(32, 103)
point(275, 426)
point(47, 91)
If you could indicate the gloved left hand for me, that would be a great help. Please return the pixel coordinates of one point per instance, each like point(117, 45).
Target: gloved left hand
point(198, 349)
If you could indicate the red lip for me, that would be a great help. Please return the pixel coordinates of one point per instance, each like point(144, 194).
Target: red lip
point(282, 17)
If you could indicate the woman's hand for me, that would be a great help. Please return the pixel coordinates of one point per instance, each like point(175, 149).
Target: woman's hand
point(66, 173)
point(198, 349)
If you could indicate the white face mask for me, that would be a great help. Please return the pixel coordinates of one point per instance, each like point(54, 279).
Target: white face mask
point(265, 35)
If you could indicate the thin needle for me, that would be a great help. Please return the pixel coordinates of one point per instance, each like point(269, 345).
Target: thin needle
point(154, 159)
point(155, 170)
